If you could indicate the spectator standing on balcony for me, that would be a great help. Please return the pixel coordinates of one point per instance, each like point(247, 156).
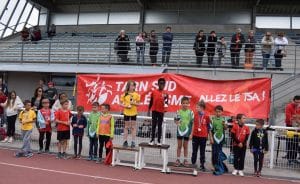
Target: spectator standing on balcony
point(153, 47)
point(51, 93)
point(122, 46)
point(211, 47)
point(199, 47)
point(280, 51)
point(221, 48)
point(292, 110)
point(167, 46)
point(25, 34)
point(52, 31)
point(140, 47)
point(267, 44)
point(249, 50)
point(236, 45)
point(36, 34)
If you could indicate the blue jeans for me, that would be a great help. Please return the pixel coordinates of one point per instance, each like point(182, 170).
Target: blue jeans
point(266, 58)
point(216, 149)
point(26, 136)
point(166, 56)
point(93, 147)
point(140, 52)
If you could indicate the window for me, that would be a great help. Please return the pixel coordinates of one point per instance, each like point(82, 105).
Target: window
point(24, 17)
point(2, 5)
point(8, 11)
point(124, 18)
point(43, 19)
point(295, 22)
point(17, 14)
point(93, 18)
point(273, 22)
point(34, 18)
point(64, 19)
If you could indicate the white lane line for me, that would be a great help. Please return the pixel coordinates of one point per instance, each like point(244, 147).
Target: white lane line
point(71, 173)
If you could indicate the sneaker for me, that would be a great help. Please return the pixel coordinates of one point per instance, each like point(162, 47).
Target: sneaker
point(47, 151)
point(90, 158)
point(235, 172)
point(59, 155)
point(65, 156)
point(95, 158)
point(241, 173)
point(151, 143)
point(258, 174)
point(202, 168)
point(19, 154)
point(78, 157)
point(125, 144)
point(74, 156)
point(5, 140)
point(10, 140)
point(159, 143)
point(132, 144)
point(40, 151)
point(28, 155)
point(99, 160)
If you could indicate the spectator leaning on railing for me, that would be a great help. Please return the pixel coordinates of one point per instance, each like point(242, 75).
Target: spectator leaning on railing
point(280, 50)
point(249, 50)
point(140, 47)
point(167, 46)
point(153, 47)
point(199, 47)
point(221, 48)
point(211, 47)
point(122, 46)
point(236, 45)
point(267, 44)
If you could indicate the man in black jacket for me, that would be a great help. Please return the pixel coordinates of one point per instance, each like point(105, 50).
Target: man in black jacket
point(199, 47)
point(236, 45)
point(211, 47)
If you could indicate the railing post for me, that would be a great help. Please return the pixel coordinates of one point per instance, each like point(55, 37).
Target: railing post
point(295, 64)
point(178, 62)
point(49, 53)
point(22, 52)
point(109, 55)
point(164, 130)
point(272, 149)
point(78, 53)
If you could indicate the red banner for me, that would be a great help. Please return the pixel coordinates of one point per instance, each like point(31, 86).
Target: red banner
point(250, 97)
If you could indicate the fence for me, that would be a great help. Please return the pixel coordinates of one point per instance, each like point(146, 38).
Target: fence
point(275, 158)
point(89, 50)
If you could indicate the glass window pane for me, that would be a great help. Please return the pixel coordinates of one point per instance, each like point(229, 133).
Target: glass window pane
point(34, 17)
point(7, 32)
point(17, 13)
point(43, 19)
point(64, 19)
point(124, 18)
point(20, 27)
point(296, 23)
point(272, 22)
point(2, 5)
point(93, 18)
point(25, 13)
point(8, 11)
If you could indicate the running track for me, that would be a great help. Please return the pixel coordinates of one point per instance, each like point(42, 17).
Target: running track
point(46, 169)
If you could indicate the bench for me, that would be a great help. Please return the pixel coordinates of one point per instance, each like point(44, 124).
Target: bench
point(163, 148)
point(188, 169)
point(117, 161)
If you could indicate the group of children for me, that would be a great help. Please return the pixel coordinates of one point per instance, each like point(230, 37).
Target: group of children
point(192, 124)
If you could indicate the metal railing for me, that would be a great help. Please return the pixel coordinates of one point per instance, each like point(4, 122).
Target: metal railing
point(93, 50)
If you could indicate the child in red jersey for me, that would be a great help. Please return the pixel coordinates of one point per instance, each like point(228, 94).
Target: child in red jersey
point(240, 133)
point(200, 132)
point(62, 118)
point(158, 103)
point(45, 117)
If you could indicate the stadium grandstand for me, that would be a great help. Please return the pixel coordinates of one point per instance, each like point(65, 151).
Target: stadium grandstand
point(87, 50)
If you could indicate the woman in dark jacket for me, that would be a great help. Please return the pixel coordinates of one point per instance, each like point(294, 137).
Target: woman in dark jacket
point(36, 100)
point(236, 45)
point(211, 47)
point(122, 46)
point(153, 47)
point(199, 47)
point(249, 50)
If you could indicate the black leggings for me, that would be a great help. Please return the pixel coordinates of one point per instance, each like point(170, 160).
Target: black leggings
point(48, 140)
point(77, 139)
point(157, 119)
point(239, 157)
point(103, 139)
point(11, 128)
point(258, 158)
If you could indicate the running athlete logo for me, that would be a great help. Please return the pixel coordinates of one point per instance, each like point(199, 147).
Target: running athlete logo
point(97, 91)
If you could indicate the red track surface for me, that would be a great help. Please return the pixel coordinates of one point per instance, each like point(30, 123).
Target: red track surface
point(46, 169)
